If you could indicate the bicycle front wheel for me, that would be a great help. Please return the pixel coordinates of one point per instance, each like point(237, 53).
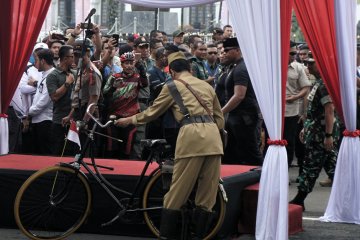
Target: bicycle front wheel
point(52, 203)
point(153, 198)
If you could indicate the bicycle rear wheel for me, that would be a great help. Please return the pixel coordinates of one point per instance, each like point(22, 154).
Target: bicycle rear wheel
point(154, 195)
point(52, 203)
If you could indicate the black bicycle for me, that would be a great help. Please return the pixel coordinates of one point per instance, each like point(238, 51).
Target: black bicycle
point(54, 202)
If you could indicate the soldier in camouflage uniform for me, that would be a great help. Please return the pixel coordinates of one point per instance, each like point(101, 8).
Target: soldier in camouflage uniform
point(321, 136)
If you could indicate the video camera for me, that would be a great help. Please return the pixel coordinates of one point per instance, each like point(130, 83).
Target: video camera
point(86, 26)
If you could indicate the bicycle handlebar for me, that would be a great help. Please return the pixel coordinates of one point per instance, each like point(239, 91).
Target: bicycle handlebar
point(112, 119)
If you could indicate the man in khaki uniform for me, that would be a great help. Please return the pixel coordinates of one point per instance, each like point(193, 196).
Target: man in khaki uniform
point(297, 87)
point(198, 148)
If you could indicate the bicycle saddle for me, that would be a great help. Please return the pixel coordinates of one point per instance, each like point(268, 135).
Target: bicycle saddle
point(152, 143)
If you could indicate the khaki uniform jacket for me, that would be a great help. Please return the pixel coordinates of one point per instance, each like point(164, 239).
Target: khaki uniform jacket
point(195, 139)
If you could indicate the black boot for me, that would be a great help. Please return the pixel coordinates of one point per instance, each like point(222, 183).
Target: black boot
point(201, 220)
point(299, 199)
point(170, 224)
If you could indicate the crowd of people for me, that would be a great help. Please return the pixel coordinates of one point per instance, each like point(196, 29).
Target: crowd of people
point(127, 77)
point(66, 74)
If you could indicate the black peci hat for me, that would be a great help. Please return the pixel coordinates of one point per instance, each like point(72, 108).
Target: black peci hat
point(230, 42)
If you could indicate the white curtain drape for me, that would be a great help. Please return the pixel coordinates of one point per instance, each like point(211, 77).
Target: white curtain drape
point(257, 28)
point(4, 129)
point(344, 202)
point(167, 3)
point(4, 135)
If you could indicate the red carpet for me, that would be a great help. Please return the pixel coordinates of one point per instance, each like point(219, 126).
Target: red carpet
point(121, 167)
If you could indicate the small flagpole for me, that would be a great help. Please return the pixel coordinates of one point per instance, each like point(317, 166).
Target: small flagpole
point(62, 154)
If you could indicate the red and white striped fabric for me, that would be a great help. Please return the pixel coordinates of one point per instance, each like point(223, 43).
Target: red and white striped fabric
point(330, 30)
point(263, 31)
point(4, 134)
point(73, 134)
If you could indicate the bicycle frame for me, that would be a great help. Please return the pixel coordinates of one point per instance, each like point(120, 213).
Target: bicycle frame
point(107, 186)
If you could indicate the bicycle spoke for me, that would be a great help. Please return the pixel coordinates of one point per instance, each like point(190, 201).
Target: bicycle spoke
point(53, 203)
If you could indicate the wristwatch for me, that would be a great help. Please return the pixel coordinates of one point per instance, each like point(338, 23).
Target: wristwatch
point(66, 85)
point(328, 135)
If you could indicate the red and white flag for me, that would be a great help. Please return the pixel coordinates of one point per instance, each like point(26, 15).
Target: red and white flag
point(73, 134)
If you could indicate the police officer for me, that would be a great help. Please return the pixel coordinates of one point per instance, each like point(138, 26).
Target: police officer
point(88, 86)
point(320, 134)
point(198, 148)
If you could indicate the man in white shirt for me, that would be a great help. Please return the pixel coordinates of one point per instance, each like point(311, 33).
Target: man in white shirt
point(41, 110)
point(27, 86)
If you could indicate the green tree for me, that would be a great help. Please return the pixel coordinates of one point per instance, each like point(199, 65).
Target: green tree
point(296, 33)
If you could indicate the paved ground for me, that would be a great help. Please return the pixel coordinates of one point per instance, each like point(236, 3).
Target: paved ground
point(313, 229)
point(315, 205)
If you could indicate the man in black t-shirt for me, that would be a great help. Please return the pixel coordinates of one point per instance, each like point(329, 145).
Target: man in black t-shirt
point(242, 109)
point(59, 84)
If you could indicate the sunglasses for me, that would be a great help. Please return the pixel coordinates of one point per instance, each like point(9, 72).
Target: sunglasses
point(302, 54)
point(292, 53)
point(210, 53)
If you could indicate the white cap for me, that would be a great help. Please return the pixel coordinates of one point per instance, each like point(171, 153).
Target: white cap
point(40, 45)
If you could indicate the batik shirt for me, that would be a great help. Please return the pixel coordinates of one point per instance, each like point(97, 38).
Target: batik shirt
point(122, 92)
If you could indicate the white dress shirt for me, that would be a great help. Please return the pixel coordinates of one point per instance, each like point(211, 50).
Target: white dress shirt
point(42, 107)
point(27, 91)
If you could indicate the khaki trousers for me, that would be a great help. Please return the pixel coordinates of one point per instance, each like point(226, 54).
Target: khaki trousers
point(205, 169)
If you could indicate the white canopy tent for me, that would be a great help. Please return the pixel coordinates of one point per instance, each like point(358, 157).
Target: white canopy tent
point(258, 24)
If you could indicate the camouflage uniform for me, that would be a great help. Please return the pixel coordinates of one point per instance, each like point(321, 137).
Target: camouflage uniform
point(199, 69)
point(316, 157)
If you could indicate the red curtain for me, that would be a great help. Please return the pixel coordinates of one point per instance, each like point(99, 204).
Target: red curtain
point(285, 25)
point(20, 25)
point(317, 21)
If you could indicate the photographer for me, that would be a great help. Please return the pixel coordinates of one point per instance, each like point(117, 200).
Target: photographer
point(109, 63)
point(87, 89)
point(93, 33)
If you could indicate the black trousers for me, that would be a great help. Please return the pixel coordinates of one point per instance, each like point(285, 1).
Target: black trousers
point(28, 144)
point(243, 142)
point(15, 136)
point(42, 137)
point(290, 131)
point(120, 150)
